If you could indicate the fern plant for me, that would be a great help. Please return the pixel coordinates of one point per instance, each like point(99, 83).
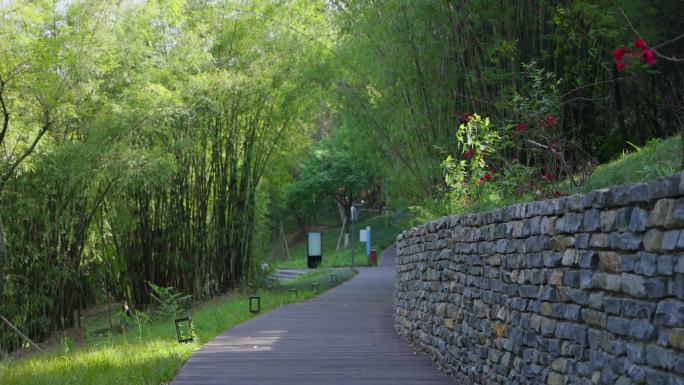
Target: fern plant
point(169, 302)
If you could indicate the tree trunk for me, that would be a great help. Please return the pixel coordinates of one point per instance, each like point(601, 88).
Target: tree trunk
point(3, 258)
point(343, 220)
point(619, 110)
point(282, 234)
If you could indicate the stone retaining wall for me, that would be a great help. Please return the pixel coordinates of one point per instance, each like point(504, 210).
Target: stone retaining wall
point(587, 289)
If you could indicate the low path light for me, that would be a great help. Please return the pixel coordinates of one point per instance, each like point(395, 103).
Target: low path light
point(314, 287)
point(184, 330)
point(254, 304)
point(293, 291)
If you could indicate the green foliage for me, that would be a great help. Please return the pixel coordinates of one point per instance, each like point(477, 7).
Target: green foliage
point(330, 170)
point(156, 141)
point(426, 63)
point(478, 140)
point(67, 345)
point(169, 302)
point(540, 95)
point(658, 158)
point(162, 132)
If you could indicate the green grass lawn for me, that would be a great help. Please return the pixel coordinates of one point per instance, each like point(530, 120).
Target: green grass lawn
point(384, 231)
point(657, 158)
point(148, 353)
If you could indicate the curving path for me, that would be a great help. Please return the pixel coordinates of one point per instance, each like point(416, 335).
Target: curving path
point(342, 337)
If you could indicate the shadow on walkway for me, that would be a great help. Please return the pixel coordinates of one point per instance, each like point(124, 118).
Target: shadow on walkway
point(342, 337)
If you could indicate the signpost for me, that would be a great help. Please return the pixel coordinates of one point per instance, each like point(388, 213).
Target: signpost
point(354, 218)
point(368, 241)
point(364, 235)
point(314, 249)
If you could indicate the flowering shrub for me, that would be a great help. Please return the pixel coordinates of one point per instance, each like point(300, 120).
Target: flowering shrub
point(523, 159)
point(478, 140)
point(639, 52)
point(537, 135)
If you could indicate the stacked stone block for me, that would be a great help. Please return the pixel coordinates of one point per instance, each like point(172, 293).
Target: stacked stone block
point(586, 289)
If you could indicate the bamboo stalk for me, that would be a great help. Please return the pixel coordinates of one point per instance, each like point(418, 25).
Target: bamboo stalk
point(282, 234)
point(20, 333)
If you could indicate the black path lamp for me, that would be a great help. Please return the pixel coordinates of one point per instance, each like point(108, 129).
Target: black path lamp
point(293, 291)
point(184, 330)
point(314, 287)
point(254, 304)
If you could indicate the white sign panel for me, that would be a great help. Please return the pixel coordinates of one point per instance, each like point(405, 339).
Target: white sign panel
point(354, 214)
point(314, 245)
point(362, 235)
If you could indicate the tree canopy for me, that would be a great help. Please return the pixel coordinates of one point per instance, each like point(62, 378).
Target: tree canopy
point(166, 141)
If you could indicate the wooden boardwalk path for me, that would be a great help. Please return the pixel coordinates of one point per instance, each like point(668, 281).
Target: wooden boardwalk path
point(342, 337)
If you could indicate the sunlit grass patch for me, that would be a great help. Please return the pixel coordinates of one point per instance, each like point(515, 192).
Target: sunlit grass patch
point(147, 353)
point(660, 157)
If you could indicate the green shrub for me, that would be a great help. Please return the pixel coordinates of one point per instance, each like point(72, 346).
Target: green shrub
point(169, 302)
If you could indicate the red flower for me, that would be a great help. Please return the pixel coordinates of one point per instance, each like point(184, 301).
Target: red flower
point(549, 176)
point(488, 176)
point(619, 53)
point(469, 154)
point(493, 171)
point(465, 117)
point(520, 127)
point(621, 66)
point(480, 181)
point(640, 43)
point(549, 120)
point(648, 56)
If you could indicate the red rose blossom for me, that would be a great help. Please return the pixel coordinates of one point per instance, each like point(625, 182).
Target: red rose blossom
point(648, 56)
point(640, 43)
point(520, 127)
point(465, 117)
point(549, 120)
point(619, 53)
point(488, 176)
point(621, 66)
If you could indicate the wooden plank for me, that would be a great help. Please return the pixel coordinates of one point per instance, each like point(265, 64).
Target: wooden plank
point(343, 337)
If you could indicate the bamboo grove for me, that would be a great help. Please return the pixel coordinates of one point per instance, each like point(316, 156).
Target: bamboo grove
point(168, 141)
point(167, 121)
point(428, 62)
